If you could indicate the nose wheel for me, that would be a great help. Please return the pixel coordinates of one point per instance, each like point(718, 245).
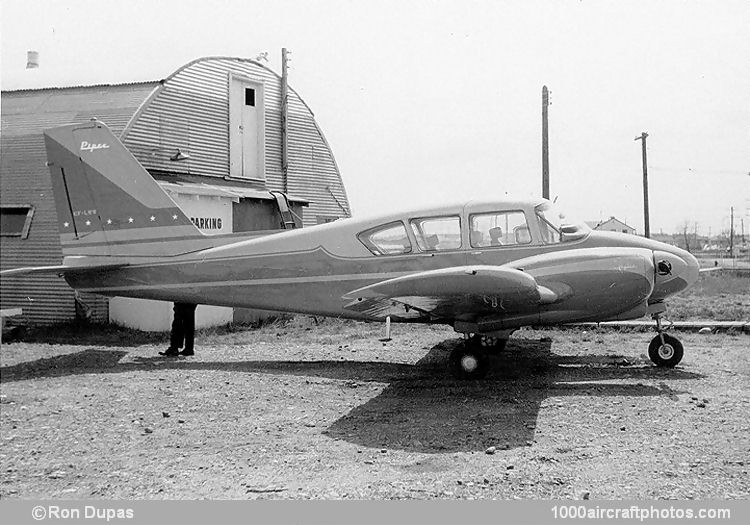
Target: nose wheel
point(664, 350)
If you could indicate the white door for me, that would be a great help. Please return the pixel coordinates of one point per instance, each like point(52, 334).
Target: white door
point(246, 129)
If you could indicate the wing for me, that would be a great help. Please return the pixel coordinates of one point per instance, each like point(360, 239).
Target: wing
point(462, 292)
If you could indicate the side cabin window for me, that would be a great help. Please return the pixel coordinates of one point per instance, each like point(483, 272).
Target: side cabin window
point(388, 239)
point(501, 228)
point(437, 233)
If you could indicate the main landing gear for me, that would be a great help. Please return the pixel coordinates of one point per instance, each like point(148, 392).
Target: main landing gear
point(664, 350)
point(470, 359)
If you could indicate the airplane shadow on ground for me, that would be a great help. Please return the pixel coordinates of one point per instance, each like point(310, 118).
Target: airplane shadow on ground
point(423, 408)
point(431, 412)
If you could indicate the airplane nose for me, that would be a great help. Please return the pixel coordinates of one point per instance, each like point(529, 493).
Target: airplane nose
point(674, 271)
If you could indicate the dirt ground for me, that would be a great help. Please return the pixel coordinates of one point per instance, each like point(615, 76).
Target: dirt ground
point(308, 411)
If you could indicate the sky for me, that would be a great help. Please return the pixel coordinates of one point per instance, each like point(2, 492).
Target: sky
point(427, 101)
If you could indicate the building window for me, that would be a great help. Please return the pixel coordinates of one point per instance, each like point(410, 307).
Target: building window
point(249, 97)
point(15, 221)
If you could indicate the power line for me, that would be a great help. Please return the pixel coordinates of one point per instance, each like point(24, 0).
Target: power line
point(701, 171)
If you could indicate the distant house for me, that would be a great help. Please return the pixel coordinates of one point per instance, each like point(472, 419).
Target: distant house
point(611, 225)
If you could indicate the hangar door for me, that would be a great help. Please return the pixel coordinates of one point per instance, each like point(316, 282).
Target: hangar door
point(246, 129)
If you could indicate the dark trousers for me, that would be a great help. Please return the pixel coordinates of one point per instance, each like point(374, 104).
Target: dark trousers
point(183, 326)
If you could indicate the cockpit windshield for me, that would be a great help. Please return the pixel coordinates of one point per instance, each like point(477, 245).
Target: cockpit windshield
point(556, 227)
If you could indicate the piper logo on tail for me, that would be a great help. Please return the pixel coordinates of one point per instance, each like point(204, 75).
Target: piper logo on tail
point(85, 146)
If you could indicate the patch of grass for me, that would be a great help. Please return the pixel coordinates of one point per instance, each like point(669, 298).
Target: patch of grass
point(721, 283)
point(99, 334)
point(82, 333)
point(233, 328)
point(722, 295)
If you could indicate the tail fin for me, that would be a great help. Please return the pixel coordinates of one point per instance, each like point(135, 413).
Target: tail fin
point(107, 203)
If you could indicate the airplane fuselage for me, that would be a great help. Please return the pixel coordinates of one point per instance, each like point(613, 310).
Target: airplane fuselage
point(599, 276)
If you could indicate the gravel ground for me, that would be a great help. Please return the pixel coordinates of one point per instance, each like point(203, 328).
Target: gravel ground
point(326, 411)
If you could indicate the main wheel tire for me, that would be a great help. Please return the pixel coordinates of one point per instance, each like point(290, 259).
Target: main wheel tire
point(468, 362)
point(667, 354)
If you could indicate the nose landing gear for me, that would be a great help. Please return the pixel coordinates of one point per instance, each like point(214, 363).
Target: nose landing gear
point(664, 350)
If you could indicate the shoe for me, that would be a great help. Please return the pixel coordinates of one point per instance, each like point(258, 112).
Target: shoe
point(170, 352)
point(187, 352)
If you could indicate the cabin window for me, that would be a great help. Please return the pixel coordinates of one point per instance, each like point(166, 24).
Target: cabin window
point(437, 233)
point(389, 239)
point(502, 228)
point(15, 221)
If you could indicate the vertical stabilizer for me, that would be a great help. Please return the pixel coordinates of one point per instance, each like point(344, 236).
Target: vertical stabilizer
point(107, 203)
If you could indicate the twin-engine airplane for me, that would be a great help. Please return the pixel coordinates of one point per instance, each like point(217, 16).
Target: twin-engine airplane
point(486, 268)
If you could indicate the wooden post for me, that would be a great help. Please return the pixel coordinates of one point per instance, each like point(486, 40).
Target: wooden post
point(545, 144)
point(731, 231)
point(646, 230)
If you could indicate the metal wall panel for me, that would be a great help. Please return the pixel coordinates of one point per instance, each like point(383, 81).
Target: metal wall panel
point(24, 179)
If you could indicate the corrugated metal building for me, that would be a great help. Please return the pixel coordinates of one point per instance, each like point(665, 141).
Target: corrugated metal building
point(212, 127)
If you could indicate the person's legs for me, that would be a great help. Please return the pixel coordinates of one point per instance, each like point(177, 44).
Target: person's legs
point(178, 327)
point(176, 336)
point(188, 319)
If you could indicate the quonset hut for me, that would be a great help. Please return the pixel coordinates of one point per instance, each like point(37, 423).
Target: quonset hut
point(210, 133)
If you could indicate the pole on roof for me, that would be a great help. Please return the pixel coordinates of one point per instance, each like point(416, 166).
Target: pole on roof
point(284, 120)
point(545, 144)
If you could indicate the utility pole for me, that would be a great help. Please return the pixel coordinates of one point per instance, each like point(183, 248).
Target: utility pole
point(646, 230)
point(731, 231)
point(284, 120)
point(545, 144)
